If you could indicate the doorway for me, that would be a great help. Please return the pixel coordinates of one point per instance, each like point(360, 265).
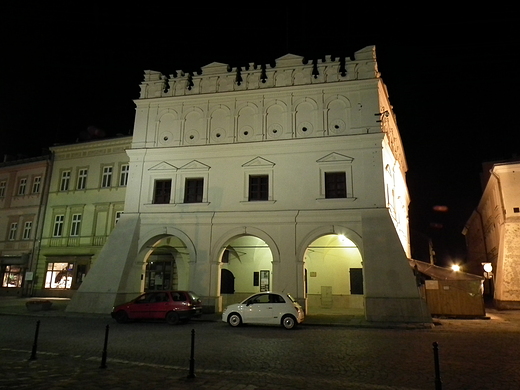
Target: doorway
point(161, 273)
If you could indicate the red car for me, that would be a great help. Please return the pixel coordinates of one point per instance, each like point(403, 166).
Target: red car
point(172, 306)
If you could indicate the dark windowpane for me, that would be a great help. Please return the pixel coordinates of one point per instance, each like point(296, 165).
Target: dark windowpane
point(163, 189)
point(194, 190)
point(335, 185)
point(259, 187)
point(356, 281)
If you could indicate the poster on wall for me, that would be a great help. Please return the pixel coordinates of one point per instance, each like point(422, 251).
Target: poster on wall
point(264, 280)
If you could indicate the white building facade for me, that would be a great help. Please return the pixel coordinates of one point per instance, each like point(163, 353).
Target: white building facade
point(287, 178)
point(493, 234)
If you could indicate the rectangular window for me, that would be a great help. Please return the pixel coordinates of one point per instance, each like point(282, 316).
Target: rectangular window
point(258, 187)
point(123, 176)
point(82, 179)
point(162, 191)
point(194, 190)
point(58, 226)
point(75, 225)
point(65, 181)
point(27, 230)
point(12, 276)
point(36, 184)
point(106, 180)
point(335, 185)
point(59, 275)
point(22, 186)
point(12, 231)
point(3, 185)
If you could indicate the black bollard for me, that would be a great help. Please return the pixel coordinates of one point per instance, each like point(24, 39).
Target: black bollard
point(438, 382)
point(104, 355)
point(35, 344)
point(192, 357)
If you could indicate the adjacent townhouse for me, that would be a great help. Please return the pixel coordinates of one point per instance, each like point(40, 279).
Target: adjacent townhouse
point(493, 233)
point(86, 196)
point(23, 193)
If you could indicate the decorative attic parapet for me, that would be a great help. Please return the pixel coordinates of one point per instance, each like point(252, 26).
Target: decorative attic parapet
point(290, 70)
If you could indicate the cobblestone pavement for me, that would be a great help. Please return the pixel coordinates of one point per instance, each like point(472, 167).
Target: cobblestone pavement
point(475, 354)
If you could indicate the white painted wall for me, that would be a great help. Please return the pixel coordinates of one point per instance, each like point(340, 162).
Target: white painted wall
point(294, 128)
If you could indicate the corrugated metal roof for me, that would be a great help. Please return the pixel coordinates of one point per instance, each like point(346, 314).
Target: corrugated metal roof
point(441, 273)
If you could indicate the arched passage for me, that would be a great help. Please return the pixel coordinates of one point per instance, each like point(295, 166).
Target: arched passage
point(334, 276)
point(166, 264)
point(246, 263)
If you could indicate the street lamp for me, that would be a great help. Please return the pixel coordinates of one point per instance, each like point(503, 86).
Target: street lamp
point(488, 275)
point(455, 267)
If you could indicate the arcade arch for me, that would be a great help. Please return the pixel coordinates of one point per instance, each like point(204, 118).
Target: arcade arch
point(245, 268)
point(165, 264)
point(333, 270)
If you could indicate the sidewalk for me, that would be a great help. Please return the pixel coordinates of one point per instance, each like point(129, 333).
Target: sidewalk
point(511, 318)
point(16, 306)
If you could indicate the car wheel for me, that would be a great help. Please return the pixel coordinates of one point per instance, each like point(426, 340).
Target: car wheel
point(288, 322)
point(234, 320)
point(121, 317)
point(172, 318)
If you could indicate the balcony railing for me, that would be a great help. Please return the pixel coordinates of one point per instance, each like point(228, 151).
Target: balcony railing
point(75, 241)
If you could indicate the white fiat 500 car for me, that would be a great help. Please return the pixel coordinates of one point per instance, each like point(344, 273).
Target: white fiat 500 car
point(265, 308)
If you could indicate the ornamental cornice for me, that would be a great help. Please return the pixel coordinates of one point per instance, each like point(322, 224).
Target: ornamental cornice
point(91, 148)
point(289, 70)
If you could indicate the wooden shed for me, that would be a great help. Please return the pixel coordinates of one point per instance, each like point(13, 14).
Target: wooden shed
point(450, 293)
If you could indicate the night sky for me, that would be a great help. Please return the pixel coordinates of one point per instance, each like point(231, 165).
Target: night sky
point(452, 79)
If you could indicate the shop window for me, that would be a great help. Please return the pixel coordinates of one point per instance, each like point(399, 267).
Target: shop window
point(194, 190)
point(12, 276)
point(59, 275)
point(162, 192)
